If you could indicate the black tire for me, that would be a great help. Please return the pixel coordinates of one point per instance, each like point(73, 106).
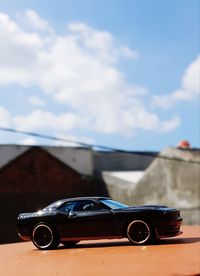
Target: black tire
point(69, 243)
point(139, 232)
point(44, 237)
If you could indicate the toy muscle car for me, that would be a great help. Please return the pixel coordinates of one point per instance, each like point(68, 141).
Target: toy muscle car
point(71, 220)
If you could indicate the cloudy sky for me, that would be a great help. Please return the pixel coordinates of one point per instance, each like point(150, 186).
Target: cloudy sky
point(123, 74)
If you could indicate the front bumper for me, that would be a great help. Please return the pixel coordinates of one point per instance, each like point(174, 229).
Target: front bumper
point(170, 228)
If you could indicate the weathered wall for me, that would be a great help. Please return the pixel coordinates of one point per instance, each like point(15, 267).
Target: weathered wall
point(79, 159)
point(10, 152)
point(116, 161)
point(170, 182)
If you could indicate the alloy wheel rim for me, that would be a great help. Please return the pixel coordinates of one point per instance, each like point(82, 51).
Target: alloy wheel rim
point(42, 236)
point(138, 232)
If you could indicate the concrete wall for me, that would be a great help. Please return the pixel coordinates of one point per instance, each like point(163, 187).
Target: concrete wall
point(170, 182)
point(117, 161)
point(10, 152)
point(79, 159)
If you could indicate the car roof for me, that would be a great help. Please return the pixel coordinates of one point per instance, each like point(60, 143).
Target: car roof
point(83, 198)
point(58, 203)
point(62, 201)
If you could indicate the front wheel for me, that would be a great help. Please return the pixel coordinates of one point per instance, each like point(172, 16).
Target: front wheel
point(44, 237)
point(139, 232)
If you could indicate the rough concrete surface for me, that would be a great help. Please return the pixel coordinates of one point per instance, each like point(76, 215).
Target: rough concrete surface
point(173, 180)
point(122, 161)
point(175, 256)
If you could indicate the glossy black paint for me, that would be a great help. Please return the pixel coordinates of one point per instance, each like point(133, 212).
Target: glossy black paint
point(82, 218)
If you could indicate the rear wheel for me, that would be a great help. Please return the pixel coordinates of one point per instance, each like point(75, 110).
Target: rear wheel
point(44, 237)
point(139, 232)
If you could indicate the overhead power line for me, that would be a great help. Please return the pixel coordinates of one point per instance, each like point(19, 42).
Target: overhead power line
point(38, 135)
point(44, 136)
point(92, 146)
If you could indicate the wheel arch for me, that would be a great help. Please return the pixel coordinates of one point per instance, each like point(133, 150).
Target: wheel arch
point(142, 217)
point(55, 236)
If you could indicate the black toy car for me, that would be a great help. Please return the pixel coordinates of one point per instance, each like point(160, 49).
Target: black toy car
point(70, 220)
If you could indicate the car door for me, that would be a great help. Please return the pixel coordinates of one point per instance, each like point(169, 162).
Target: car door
point(87, 219)
point(63, 219)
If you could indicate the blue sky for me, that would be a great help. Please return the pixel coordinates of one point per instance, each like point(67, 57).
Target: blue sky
point(123, 74)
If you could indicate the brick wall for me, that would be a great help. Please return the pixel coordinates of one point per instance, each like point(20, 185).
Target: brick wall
point(33, 180)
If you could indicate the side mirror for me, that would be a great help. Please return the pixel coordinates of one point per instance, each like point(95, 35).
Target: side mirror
point(71, 214)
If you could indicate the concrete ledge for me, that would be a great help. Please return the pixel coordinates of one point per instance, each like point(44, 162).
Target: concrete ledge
point(175, 256)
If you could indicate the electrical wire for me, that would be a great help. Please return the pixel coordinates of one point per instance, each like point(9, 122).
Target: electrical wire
point(95, 146)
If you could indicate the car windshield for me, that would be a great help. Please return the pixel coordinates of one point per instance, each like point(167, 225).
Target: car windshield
point(54, 205)
point(113, 204)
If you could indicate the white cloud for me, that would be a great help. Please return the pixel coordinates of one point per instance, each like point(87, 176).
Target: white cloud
point(170, 125)
point(78, 70)
point(72, 140)
point(35, 21)
point(191, 79)
point(28, 142)
point(18, 53)
point(101, 42)
point(5, 117)
point(35, 100)
point(190, 87)
point(46, 121)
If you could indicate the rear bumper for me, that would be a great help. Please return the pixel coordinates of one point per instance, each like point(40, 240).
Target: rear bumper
point(23, 231)
point(24, 237)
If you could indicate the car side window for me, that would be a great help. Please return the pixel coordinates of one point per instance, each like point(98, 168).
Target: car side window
point(85, 205)
point(68, 207)
point(103, 207)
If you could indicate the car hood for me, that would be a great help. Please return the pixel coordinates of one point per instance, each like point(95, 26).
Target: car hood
point(35, 214)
